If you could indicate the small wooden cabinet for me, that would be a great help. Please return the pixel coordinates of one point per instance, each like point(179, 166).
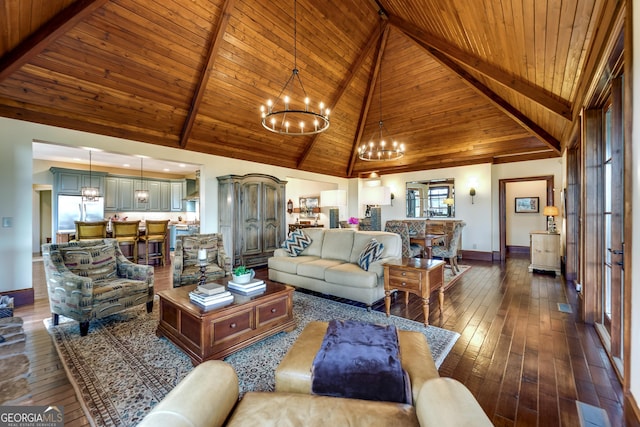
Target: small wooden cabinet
point(419, 276)
point(545, 251)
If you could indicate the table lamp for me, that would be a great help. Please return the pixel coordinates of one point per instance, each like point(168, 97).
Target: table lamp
point(551, 212)
point(333, 199)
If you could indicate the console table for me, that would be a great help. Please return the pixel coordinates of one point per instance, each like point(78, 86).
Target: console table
point(293, 227)
point(419, 276)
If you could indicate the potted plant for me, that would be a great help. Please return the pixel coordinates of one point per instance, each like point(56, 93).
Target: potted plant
point(242, 274)
point(353, 222)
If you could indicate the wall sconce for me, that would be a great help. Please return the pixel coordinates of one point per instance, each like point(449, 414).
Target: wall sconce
point(551, 212)
point(290, 207)
point(472, 193)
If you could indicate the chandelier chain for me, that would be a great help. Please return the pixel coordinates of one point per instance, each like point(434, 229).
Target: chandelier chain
point(380, 151)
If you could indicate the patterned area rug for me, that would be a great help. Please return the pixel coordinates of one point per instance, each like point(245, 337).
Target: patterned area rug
point(121, 369)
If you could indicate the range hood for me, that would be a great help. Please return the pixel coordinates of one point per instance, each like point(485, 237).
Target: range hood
point(194, 194)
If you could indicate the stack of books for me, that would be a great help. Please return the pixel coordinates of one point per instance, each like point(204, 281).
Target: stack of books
point(254, 286)
point(210, 295)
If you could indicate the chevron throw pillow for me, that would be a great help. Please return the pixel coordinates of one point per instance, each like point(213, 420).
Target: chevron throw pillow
point(296, 242)
point(371, 253)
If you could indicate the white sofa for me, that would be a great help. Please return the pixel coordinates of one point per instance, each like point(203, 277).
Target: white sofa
point(329, 265)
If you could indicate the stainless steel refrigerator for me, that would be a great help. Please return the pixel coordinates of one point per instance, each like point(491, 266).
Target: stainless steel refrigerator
point(73, 208)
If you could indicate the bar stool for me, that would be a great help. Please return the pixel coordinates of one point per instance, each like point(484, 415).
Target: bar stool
point(156, 233)
point(127, 233)
point(90, 230)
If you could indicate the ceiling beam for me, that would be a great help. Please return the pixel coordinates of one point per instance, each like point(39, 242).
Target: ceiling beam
point(508, 80)
point(351, 74)
point(47, 34)
point(496, 100)
point(201, 85)
point(362, 120)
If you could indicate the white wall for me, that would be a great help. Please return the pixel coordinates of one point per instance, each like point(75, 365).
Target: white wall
point(634, 374)
point(16, 208)
point(523, 170)
point(518, 225)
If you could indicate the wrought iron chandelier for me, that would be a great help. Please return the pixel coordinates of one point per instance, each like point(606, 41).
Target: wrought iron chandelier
point(380, 150)
point(287, 116)
point(89, 192)
point(142, 196)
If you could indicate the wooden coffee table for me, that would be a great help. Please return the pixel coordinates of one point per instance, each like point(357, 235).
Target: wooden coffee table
point(216, 333)
point(419, 276)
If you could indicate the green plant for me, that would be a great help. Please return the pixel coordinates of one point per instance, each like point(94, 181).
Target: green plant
point(240, 270)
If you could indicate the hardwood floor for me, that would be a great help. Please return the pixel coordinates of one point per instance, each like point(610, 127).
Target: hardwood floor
point(526, 361)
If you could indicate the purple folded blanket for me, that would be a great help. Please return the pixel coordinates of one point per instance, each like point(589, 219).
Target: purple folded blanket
point(361, 361)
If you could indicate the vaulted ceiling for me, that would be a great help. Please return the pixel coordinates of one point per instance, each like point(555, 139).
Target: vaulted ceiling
point(463, 82)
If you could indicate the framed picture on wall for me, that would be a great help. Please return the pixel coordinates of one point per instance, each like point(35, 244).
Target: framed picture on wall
point(309, 207)
point(527, 204)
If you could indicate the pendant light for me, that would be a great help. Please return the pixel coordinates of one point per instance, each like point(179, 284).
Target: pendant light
point(378, 149)
point(142, 196)
point(287, 115)
point(89, 192)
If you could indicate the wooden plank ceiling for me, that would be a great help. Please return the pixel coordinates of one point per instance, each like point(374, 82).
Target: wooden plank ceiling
point(462, 82)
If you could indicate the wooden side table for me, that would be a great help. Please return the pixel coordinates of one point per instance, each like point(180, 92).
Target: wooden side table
point(419, 276)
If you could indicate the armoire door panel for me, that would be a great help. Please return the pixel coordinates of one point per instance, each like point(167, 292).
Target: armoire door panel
point(251, 206)
point(270, 240)
point(252, 241)
point(251, 213)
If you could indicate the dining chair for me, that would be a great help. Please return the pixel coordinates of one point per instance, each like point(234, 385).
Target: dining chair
point(449, 251)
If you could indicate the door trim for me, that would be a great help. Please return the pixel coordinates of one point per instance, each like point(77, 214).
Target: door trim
point(502, 205)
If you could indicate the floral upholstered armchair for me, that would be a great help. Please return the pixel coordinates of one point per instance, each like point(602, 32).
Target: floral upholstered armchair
point(186, 267)
point(91, 279)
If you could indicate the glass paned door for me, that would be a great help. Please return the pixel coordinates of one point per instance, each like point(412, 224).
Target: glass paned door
point(610, 316)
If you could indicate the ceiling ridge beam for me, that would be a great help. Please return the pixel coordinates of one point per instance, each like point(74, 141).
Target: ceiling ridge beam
point(351, 74)
point(494, 98)
point(366, 103)
point(46, 34)
point(524, 88)
point(201, 85)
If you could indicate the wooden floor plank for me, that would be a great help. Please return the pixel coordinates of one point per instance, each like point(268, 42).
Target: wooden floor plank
point(523, 359)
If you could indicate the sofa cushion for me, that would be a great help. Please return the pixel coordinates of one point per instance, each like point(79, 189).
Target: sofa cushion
point(370, 253)
point(316, 269)
point(191, 245)
point(391, 242)
point(317, 237)
point(338, 244)
point(296, 242)
point(96, 262)
point(289, 264)
point(296, 409)
point(352, 275)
